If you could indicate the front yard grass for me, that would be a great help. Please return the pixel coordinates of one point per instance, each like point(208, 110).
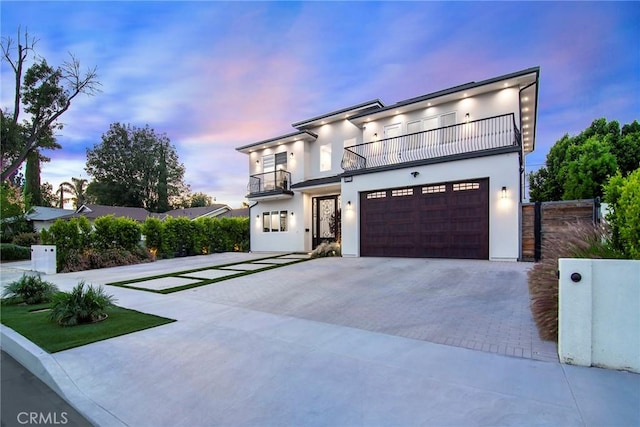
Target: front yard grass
point(32, 322)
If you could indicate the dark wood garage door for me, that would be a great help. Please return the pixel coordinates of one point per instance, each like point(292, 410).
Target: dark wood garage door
point(447, 220)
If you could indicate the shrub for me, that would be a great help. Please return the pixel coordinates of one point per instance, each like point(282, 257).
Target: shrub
point(26, 239)
point(578, 240)
point(92, 258)
point(80, 305)
point(624, 196)
point(11, 252)
point(153, 230)
point(112, 232)
point(67, 235)
point(30, 290)
point(179, 236)
point(326, 250)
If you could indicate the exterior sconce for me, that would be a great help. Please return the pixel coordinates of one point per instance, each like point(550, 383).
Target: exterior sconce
point(466, 118)
point(503, 193)
point(291, 213)
point(291, 155)
point(349, 207)
point(257, 162)
point(258, 216)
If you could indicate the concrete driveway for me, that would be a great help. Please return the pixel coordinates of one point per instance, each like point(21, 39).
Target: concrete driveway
point(331, 342)
point(474, 304)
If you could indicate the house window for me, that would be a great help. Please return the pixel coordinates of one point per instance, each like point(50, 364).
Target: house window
point(434, 189)
point(377, 195)
point(275, 221)
point(274, 162)
point(325, 157)
point(462, 186)
point(402, 192)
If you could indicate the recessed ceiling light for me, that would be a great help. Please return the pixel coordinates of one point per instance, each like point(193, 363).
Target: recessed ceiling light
point(323, 122)
point(506, 85)
point(428, 104)
point(465, 94)
point(526, 98)
point(525, 109)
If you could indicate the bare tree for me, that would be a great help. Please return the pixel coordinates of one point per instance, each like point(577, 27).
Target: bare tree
point(46, 93)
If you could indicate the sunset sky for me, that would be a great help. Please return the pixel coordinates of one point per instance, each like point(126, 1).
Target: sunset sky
point(213, 76)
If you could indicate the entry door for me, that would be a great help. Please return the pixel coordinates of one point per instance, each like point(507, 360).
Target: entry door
point(326, 219)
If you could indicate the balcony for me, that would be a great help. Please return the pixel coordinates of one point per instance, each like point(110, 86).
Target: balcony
point(493, 134)
point(270, 185)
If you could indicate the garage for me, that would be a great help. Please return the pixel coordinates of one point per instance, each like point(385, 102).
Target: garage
point(442, 220)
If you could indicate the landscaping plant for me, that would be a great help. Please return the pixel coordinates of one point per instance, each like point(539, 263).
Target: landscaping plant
point(326, 250)
point(577, 240)
point(81, 305)
point(30, 290)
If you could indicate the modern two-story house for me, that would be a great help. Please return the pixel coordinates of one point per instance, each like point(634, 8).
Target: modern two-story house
point(436, 176)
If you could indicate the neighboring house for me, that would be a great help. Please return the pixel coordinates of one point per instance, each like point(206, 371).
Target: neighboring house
point(199, 212)
point(439, 175)
point(236, 213)
point(42, 217)
point(91, 212)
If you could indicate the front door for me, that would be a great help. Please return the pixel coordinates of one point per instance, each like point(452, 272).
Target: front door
point(326, 219)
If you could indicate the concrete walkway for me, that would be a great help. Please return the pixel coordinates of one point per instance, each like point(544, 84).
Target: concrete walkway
point(231, 361)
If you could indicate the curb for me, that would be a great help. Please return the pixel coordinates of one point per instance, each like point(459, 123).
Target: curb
point(46, 368)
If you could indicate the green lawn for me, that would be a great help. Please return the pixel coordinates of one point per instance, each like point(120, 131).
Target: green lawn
point(36, 326)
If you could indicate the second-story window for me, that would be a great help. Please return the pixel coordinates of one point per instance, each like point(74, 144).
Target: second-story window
point(325, 157)
point(274, 162)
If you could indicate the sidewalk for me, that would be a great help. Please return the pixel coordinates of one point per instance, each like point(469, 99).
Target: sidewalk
point(234, 366)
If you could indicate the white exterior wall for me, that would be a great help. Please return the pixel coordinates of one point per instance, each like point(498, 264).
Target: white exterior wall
point(492, 104)
point(599, 314)
point(504, 214)
point(334, 133)
point(281, 241)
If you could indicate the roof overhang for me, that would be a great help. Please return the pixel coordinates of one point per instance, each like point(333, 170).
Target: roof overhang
point(274, 142)
point(342, 114)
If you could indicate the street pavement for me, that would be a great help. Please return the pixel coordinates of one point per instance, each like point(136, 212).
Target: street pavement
point(330, 342)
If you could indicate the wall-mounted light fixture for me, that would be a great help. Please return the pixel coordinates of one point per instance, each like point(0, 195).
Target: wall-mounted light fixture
point(466, 118)
point(291, 213)
point(415, 173)
point(257, 162)
point(349, 206)
point(291, 155)
point(503, 192)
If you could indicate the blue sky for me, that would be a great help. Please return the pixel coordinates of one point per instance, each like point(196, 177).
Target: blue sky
point(213, 76)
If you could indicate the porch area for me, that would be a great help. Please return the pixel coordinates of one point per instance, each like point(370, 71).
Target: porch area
point(494, 134)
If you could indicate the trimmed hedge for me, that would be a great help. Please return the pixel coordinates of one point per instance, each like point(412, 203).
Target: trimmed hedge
point(11, 252)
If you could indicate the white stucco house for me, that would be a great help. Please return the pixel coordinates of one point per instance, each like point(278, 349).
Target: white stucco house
point(440, 175)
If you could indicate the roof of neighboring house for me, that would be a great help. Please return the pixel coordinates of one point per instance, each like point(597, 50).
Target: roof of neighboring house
point(193, 213)
point(95, 211)
point(235, 213)
point(43, 213)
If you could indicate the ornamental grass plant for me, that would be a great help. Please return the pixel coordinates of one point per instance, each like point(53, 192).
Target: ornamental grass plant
point(81, 305)
point(29, 290)
point(579, 240)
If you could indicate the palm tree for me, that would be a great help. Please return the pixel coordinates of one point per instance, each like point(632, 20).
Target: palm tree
point(77, 188)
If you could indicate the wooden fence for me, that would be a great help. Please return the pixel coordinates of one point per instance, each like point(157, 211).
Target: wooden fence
point(541, 219)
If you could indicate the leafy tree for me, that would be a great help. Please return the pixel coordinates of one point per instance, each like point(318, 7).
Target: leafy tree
point(623, 194)
point(49, 198)
point(45, 93)
point(200, 200)
point(129, 167)
point(77, 188)
point(579, 166)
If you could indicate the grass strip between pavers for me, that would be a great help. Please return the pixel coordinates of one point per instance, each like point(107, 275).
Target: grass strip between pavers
point(129, 284)
point(48, 335)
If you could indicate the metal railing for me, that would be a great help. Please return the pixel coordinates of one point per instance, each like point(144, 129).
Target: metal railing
point(276, 181)
point(478, 135)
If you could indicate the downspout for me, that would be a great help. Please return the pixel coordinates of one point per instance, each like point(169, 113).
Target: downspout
point(521, 154)
point(250, 222)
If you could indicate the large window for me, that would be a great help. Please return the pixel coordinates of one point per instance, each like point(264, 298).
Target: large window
point(274, 221)
point(325, 157)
